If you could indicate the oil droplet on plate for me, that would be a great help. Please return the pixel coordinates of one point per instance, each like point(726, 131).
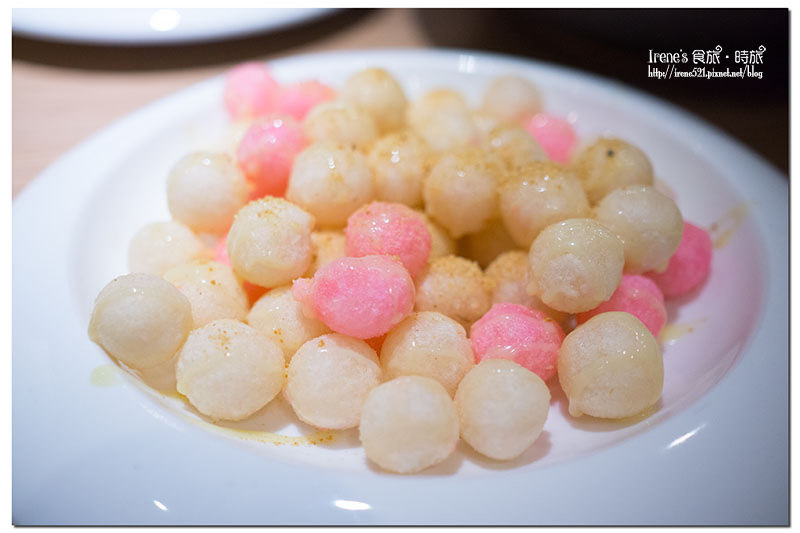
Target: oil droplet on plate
point(104, 375)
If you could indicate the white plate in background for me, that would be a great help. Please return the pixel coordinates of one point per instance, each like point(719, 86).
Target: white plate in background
point(153, 26)
point(108, 451)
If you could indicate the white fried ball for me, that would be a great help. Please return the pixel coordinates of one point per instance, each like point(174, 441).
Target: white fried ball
point(514, 145)
point(327, 246)
point(329, 379)
point(331, 182)
point(399, 163)
point(441, 242)
point(159, 246)
point(377, 92)
point(428, 344)
point(408, 424)
point(228, 370)
point(340, 122)
point(485, 245)
point(453, 286)
point(460, 192)
point(140, 319)
point(212, 289)
point(648, 223)
point(575, 265)
point(609, 164)
point(611, 367)
point(280, 317)
point(443, 119)
point(511, 98)
point(269, 243)
point(508, 277)
point(502, 408)
point(539, 194)
point(204, 191)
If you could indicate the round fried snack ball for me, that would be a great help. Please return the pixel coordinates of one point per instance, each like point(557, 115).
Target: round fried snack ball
point(340, 122)
point(460, 192)
point(502, 408)
point(441, 117)
point(250, 90)
point(377, 92)
point(689, 265)
point(441, 242)
point(575, 265)
point(269, 243)
point(140, 319)
point(514, 146)
point(329, 379)
point(399, 162)
point(609, 164)
point(485, 245)
point(453, 286)
point(228, 370)
point(554, 134)
point(328, 245)
point(159, 246)
point(428, 344)
point(511, 98)
point(212, 289)
point(648, 224)
point(382, 228)
point(363, 297)
point(639, 296)
point(508, 277)
point(537, 195)
point(297, 99)
point(280, 317)
point(330, 181)
point(408, 424)
point(611, 367)
point(204, 191)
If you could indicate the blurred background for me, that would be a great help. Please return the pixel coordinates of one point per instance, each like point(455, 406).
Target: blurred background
point(69, 81)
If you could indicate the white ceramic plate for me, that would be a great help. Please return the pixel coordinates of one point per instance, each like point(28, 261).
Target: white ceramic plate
point(153, 26)
point(92, 446)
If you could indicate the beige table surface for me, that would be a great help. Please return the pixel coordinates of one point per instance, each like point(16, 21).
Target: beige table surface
point(55, 107)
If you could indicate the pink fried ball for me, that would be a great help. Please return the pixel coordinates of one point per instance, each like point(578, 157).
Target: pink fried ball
point(526, 336)
point(639, 296)
point(689, 265)
point(250, 91)
point(383, 228)
point(554, 134)
point(363, 297)
point(297, 99)
point(266, 153)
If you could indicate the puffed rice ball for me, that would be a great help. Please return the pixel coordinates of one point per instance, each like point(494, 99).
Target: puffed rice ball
point(453, 286)
point(460, 191)
point(408, 424)
point(212, 289)
point(159, 246)
point(228, 370)
point(609, 164)
point(399, 163)
point(140, 319)
point(441, 242)
point(508, 276)
point(329, 379)
point(341, 123)
point(280, 317)
point(443, 119)
point(377, 92)
point(428, 344)
point(485, 245)
point(514, 146)
point(511, 98)
point(610, 367)
point(269, 243)
point(648, 224)
point(575, 264)
point(537, 195)
point(327, 245)
point(205, 190)
point(330, 181)
point(502, 408)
